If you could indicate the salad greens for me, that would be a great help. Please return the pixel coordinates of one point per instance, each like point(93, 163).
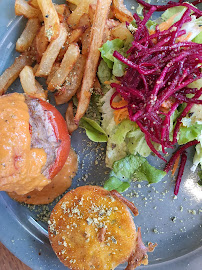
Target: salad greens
point(129, 168)
point(126, 144)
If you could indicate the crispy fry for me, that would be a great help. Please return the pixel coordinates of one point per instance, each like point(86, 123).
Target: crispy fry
point(60, 11)
point(41, 43)
point(121, 12)
point(73, 82)
point(55, 67)
point(51, 53)
point(35, 67)
point(11, 74)
point(75, 16)
point(91, 12)
point(66, 66)
point(28, 35)
point(51, 19)
point(23, 8)
point(30, 85)
point(121, 31)
point(85, 40)
point(71, 6)
point(33, 3)
point(93, 56)
point(84, 21)
point(71, 126)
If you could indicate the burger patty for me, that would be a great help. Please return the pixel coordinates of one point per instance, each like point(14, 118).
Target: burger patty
point(42, 131)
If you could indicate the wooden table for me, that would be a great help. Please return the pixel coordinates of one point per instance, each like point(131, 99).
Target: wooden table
point(9, 262)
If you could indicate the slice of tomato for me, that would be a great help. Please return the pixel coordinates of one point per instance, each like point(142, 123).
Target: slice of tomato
point(62, 135)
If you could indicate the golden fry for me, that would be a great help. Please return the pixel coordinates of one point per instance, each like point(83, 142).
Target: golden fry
point(71, 126)
point(51, 19)
point(41, 43)
point(121, 12)
point(97, 31)
point(28, 35)
point(51, 53)
point(75, 16)
point(30, 85)
point(33, 3)
point(66, 66)
point(23, 8)
point(73, 82)
point(11, 74)
point(121, 31)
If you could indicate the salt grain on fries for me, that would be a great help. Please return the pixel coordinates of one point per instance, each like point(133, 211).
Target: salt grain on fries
point(51, 19)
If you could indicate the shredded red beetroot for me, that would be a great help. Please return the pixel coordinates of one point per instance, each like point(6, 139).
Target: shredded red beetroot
point(172, 4)
point(159, 69)
point(180, 172)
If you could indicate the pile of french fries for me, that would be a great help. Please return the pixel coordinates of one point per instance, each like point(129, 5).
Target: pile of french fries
point(61, 44)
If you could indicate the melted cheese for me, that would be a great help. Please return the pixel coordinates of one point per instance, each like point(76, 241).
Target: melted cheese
point(20, 166)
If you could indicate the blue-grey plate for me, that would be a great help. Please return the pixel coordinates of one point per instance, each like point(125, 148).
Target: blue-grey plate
point(174, 223)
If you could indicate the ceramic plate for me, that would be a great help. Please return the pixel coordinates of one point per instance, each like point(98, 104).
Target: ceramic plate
point(174, 223)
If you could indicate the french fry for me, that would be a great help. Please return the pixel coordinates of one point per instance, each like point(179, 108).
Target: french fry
point(60, 11)
point(30, 85)
point(91, 12)
point(55, 67)
point(75, 16)
point(84, 21)
point(66, 66)
point(97, 31)
point(23, 8)
point(71, 6)
point(85, 40)
point(121, 12)
point(28, 35)
point(51, 53)
point(41, 42)
point(121, 32)
point(73, 82)
point(27, 80)
point(35, 67)
point(51, 19)
point(33, 3)
point(71, 125)
point(11, 74)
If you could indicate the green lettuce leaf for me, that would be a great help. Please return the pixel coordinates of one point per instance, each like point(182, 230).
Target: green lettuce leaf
point(107, 51)
point(197, 157)
point(93, 130)
point(132, 168)
point(200, 176)
point(172, 11)
point(104, 72)
point(198, 38)
point(187, 134)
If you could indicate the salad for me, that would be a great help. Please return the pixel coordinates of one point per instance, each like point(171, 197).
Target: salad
point(151, 102)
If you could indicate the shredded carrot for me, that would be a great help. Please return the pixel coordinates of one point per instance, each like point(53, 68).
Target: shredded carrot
point(167, 24)
point(121, 114)
point(175, 166)
point(108, 82)
point(185, 38)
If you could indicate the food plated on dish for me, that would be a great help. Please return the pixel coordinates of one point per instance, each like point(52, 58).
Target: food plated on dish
point(136, 97)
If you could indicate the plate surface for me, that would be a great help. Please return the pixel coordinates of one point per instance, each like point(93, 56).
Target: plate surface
point(174, 223)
